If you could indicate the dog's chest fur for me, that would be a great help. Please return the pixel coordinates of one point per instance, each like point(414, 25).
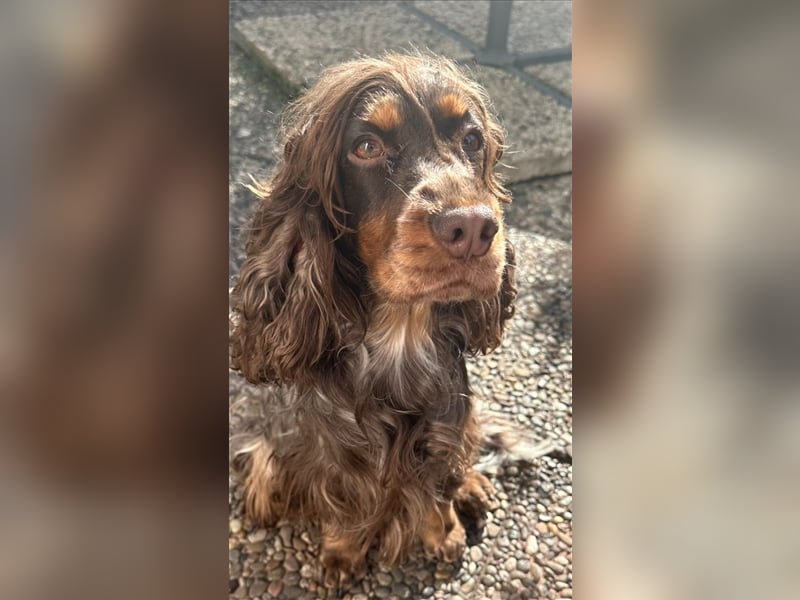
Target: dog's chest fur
point(408, 382)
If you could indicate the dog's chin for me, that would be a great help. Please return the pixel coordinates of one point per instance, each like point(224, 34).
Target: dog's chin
point(462, 291)
point(456, 290)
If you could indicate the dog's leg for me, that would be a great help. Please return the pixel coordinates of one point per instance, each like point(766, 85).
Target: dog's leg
point(257, 467)
point(473, 498)
point(343, 558)
point(443, 536)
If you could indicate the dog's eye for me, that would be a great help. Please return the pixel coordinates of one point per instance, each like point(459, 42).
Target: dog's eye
point(368, 149)
point(472, 142)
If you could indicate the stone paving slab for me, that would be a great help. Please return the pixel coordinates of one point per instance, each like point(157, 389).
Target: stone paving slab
point(539, 130)
point(299, 46)
point(296, 47)
point(536, 25)
point(559, 75)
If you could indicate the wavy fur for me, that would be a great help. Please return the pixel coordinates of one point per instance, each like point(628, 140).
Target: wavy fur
point(368, 425)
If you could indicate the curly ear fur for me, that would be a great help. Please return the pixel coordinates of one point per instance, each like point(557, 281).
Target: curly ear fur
point(297, 298)
point(289, 301)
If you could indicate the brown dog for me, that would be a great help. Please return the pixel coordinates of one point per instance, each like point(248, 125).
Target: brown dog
point(376, 260)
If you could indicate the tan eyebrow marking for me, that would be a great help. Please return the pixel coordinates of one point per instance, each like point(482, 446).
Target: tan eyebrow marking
point(385, 114)
point(452, 105)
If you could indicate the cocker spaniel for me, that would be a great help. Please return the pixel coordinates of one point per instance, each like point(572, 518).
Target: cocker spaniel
point(377, 260)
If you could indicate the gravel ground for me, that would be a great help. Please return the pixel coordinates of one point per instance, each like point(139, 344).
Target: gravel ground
point(526, 548)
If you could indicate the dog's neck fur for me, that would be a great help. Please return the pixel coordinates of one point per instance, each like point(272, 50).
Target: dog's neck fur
point(409, 367)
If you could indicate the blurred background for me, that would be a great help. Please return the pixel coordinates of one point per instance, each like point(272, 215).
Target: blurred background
point(115, 256)
point(686, 327)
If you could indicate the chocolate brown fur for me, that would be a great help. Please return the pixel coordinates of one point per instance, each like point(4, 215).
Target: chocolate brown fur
point(353, 313)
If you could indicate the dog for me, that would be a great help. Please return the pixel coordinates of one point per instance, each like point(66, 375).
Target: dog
point(377, 260)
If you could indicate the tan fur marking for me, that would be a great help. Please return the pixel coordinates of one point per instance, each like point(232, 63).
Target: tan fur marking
point(385, 114)
point(473, 498)
point(452, 105)
point(342, 557)
point(373, 235)
point(259, 484)
point(443, 536)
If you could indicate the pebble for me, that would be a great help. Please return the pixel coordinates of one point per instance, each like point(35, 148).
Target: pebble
point(235, 525)
point(285, 534)
point(275, 588)
point(492, 530)
point(298, 544)
point(291, 564)
point(307, 571)
point(510, 564)
point(556, 568)
point(468, 586)
point(292, 592)
point(476, 554)
point(259, 535)
point(427, 591)
point(258, 587)
point(382, 591)
point(531, 545)
point(383, 578)
point(542, 528)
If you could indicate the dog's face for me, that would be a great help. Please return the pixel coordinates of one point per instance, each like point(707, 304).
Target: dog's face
point(416, 168)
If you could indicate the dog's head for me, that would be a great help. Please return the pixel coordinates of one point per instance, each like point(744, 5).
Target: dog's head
point(417, 170)
point(387, 193)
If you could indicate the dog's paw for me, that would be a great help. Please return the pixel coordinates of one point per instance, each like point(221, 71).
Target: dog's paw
point(448, 547)
point(343, 561)
point(474, 497)
point(340, 569)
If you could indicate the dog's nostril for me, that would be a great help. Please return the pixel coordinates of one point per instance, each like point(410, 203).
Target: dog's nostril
point(466, 231)
point(489, 230)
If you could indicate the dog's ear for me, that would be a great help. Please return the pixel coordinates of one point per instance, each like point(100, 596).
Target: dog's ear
point(485, 320)
point(292, 304)
point(297, 299)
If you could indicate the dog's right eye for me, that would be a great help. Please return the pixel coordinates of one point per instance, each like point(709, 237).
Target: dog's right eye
point(369, 149)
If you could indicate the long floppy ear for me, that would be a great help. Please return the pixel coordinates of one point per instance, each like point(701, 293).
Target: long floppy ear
point(485, 320)
point(297, 300)
point(285, 317)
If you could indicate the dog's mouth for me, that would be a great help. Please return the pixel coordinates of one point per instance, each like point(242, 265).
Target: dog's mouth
point(462, 290)
point(457, 282)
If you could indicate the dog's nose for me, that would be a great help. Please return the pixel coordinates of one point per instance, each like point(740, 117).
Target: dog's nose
point(466, 231)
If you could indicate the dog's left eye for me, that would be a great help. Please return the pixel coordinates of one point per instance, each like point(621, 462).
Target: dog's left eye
point(472, 142)
point(369, 149)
